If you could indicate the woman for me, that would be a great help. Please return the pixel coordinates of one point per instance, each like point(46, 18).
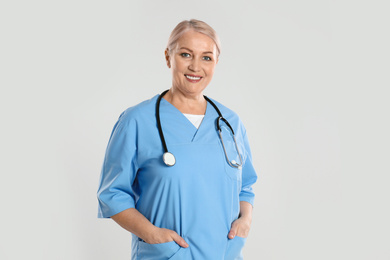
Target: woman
point(198, 203)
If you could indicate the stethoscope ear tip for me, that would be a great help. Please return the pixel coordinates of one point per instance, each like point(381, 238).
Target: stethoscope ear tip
point(235, 164)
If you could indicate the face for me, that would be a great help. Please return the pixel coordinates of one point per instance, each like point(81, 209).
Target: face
point(192, 62)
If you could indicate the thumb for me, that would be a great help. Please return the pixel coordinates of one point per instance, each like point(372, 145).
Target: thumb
point(180, 241)
point(233, 231)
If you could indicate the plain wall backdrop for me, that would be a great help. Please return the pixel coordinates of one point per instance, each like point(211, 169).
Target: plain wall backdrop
point(308, 79)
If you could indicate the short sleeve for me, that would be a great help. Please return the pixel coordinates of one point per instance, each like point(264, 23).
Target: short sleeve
point(119, 169)
point(249, 176)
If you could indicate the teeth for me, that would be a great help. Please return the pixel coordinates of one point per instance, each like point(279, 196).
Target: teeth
point(192, 78)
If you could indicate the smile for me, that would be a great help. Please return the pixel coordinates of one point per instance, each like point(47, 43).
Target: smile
point(193, 78)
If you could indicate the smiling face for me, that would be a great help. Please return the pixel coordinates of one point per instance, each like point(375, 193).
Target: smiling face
point(192, 63)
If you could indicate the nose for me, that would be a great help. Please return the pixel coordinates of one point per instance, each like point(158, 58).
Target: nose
point(194, 65)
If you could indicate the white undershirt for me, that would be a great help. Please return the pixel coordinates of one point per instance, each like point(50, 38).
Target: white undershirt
point(196, 120)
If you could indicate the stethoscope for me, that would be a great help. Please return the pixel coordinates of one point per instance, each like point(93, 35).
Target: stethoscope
point(170, 160)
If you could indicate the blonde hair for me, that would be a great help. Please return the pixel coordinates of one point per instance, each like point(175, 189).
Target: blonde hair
point(196, 25)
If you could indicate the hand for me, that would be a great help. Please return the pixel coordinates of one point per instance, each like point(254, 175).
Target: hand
point(164, 235)
point(240, 227)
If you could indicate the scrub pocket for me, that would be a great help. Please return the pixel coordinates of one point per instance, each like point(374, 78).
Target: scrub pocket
point(162, 251)
point(234, 248)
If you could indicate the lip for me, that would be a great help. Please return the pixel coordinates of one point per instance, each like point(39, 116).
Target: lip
point(192, 75)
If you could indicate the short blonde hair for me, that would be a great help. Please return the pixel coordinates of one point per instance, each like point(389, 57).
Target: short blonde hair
point(196, 25)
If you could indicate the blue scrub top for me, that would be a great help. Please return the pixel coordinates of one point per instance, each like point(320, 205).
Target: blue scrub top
point(199, 197)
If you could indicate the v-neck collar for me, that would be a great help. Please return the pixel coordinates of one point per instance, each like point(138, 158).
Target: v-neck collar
point(193, 132)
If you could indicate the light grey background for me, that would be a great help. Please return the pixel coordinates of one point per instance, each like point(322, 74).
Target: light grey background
point(308, 78)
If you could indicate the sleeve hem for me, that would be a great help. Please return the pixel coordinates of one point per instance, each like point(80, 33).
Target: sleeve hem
point(109, 212)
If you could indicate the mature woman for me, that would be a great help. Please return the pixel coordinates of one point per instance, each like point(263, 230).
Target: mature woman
point(175, 174)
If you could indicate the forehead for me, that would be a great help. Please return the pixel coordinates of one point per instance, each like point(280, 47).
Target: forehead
point(196, 42)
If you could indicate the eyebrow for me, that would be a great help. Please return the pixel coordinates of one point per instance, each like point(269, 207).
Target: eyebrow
point(192, 51)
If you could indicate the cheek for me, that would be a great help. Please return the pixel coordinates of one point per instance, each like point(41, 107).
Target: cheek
point(210, 71)
point(177, 70)
point(175, 67)
point(177, 75)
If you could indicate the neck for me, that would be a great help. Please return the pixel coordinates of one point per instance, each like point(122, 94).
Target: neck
point(187, 103)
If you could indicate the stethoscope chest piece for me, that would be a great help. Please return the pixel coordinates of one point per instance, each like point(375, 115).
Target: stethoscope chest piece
point(169, 159)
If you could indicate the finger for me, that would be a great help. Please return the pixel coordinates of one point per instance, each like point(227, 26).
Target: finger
point(232, 234)
point(180, 241)
point(233, 231)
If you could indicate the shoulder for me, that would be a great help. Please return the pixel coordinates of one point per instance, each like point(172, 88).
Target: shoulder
point(231, 116)
point(139, 111)
point(226, 112)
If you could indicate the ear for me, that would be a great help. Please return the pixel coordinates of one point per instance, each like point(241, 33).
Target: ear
point(167, 58)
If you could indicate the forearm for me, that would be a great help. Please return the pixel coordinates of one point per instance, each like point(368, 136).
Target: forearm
point(246, 210)
point(133, 221)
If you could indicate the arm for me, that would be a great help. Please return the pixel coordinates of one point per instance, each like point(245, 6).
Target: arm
point(133, 221)
point(115, 194)
point(246, 210)
point(241, 226)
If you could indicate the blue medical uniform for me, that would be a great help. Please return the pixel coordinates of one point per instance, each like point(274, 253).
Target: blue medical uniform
point(198, 197)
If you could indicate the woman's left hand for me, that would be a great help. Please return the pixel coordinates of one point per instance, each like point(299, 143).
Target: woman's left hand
point(240, 227)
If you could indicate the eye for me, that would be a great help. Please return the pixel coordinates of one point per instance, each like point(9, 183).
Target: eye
point(184, 54)
point(207, 58)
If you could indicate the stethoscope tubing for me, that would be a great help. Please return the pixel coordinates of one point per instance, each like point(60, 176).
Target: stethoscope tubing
point(159, 122)
point(169, 155)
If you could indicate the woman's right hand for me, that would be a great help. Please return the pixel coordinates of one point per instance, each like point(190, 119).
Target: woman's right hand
point(164, 235)
point(133, 221)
